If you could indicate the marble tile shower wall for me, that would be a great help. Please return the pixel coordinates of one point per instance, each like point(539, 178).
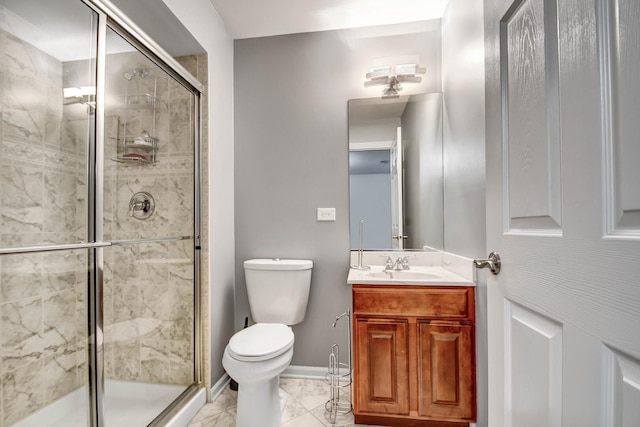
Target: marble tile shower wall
point(149, 287)
point(42, 200)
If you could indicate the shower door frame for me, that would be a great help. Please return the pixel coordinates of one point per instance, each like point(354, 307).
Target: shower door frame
point(110, 17)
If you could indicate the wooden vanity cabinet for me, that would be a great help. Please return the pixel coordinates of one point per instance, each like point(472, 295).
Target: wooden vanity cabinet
point(414, 355)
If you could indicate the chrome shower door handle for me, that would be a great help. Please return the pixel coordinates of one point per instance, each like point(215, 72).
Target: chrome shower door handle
point(492, 263)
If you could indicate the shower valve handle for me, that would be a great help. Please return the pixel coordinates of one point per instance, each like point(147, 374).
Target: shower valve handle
point(141, 205)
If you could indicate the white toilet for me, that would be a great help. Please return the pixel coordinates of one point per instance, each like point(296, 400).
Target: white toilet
point(278, 291)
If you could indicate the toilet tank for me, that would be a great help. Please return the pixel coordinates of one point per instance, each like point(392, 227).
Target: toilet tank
point(278, 289)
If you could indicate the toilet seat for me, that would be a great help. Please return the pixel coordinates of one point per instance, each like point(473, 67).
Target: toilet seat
point(261, 341)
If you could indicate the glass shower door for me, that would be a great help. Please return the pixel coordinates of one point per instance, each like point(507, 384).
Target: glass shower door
point(47, 104)
point(149, 272)
point(98, 264)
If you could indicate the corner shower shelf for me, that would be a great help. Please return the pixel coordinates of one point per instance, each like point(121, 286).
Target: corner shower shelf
point(139, 160)
point(137, 149)
point(139, 142)
point(139, 100)
point(141, 148)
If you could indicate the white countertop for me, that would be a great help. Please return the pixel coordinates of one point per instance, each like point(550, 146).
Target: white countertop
point(416, 275)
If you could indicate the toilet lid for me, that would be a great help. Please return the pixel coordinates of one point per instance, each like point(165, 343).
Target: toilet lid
point(261, 341)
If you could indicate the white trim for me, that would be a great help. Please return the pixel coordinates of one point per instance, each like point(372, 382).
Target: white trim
point(305, 372)
point(219, 387)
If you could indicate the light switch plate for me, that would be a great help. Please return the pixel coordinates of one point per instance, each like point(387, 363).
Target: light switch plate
point(326, 214)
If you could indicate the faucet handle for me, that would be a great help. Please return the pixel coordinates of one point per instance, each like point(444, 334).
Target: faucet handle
point(405, 263)
point(404, 260)
point(388, 262)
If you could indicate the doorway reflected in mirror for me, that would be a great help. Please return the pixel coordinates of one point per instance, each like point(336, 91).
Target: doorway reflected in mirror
point(396, 172)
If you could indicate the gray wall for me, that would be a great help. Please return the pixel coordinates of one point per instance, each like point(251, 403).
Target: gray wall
point(464, 167)
point(464, 157)
point(423, 179)
point(291, 156)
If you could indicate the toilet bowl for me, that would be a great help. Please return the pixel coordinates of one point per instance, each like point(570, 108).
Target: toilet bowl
point(254, 358)
point(278, 292)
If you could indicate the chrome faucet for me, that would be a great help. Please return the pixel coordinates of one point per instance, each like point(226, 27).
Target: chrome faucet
point(401, 263)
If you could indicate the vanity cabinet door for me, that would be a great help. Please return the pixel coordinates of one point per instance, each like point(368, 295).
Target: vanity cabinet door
point(381, 366)
point(446, 385)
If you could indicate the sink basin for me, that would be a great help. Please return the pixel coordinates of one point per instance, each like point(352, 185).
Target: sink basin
point(403, 275)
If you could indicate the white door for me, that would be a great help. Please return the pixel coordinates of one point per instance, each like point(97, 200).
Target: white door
point(563, 197)
point(397, 173)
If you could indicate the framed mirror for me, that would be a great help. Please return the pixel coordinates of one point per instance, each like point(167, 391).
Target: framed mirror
point(396, 172)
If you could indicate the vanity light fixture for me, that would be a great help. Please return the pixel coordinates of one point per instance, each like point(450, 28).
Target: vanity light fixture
point(392, 77)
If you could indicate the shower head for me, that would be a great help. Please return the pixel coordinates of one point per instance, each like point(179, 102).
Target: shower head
point(129, 74)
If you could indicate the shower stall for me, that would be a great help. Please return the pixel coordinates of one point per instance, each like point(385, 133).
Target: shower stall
point(99, 221)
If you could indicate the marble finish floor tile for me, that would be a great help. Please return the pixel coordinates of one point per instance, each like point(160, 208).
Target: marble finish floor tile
point(310, 393)
point(305, 407)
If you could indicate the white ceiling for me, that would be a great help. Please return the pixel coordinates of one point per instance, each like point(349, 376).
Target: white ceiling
point(261, 18)
point(54, 26)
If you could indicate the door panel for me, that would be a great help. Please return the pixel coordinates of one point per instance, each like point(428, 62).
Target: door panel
point(530, 89)
point(533, 368)
point(564, 313)
point(622, 393)
point(621, 58)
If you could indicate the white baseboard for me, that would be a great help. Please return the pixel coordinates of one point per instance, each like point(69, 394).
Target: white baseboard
point(307, 372)
point(219, 386)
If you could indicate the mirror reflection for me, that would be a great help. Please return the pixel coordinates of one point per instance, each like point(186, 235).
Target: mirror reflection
point(396, 172)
